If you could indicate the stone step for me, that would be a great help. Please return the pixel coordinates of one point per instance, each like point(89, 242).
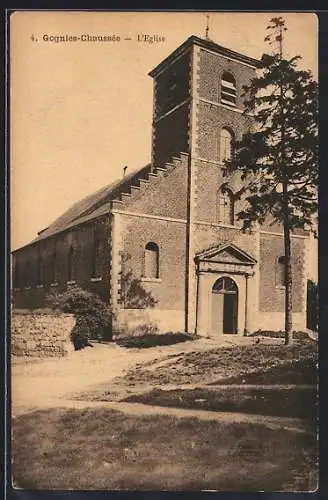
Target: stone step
point(117, 204)
point(134, 190)
point(125, 196)
point(143, 183)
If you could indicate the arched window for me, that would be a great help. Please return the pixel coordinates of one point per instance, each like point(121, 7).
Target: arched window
point(26, 278)
point(226, 145)
point(224, 285)
point(71, 264)
point(54, 268)
point(228, 90)
point(280, 271)
point(226, 207)
point(40, 271)
point(151, 262)
point(16, 277)
point(96, 256)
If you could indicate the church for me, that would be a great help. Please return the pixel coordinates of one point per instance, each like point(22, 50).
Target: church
point(172, 226)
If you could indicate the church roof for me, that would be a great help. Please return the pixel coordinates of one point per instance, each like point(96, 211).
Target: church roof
point(206, 44)
point(92, 206)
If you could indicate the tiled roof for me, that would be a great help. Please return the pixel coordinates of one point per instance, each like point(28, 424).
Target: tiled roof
point(92, 206)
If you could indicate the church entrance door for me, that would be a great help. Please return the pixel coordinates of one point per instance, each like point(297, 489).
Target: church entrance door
point(224, 306)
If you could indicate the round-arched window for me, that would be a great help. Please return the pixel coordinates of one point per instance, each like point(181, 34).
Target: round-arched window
point(225, 207)
point(151, 262)
point(226, 145)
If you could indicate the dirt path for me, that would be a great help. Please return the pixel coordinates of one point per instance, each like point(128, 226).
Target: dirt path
point(50, 383)
point(37, 383)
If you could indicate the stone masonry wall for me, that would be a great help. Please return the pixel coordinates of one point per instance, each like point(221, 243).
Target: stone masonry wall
point(41, 334)
point(271, 294)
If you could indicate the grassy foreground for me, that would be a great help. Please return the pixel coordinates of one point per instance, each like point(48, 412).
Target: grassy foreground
point(231, 364)
point(289, 402)
point(104, 449)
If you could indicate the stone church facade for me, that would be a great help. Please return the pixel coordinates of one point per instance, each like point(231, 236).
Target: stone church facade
point(172, 225)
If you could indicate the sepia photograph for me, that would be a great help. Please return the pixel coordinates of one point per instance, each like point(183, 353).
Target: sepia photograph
point(164, 174)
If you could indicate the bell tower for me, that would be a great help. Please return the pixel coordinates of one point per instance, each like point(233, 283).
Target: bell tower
point(198, 109)
point(198, 91)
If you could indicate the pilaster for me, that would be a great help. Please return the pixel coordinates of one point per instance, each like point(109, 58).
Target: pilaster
point(192, 197)
point(116, 245)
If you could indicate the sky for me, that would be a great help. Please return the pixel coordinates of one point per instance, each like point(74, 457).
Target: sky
point(81, 111)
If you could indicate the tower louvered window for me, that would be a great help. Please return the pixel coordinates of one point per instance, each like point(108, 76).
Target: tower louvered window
point(228, 90)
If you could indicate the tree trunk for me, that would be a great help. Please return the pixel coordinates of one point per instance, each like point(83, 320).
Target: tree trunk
point(286, 219)
point(288, 274)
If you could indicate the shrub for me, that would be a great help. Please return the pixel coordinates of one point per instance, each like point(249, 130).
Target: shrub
point(93, 316)
point(278, 334)
point(143, 330)
point(147, 340)
point(134, 296)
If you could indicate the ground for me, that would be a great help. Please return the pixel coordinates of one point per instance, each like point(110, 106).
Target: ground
point(186, 416)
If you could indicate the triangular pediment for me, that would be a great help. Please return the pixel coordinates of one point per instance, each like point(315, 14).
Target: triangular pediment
point(227, 253)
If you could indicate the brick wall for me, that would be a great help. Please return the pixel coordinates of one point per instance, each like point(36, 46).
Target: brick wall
point(172, 86)
point(271, 294)
point(170, 127)
point(170, 135)
point(207, 236)
point(211, 119)
point(41, 334)
point(211, 68)
point(169, 289)
point(165, 196)
point(31, 293)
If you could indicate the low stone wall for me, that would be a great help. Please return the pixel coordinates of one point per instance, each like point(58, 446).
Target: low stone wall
point(41, 333)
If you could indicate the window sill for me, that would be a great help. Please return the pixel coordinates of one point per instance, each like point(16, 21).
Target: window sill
point(95, 280)
point(16, 289)
point(221, 104)
point(280, 287)
point(27, 288)
point(54, 284)
point(71, 282)
point(39, 286)
point(151, 280)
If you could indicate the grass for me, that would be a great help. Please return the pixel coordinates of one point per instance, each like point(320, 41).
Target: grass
point(298, 403)
point(222, 363)
point(101, 449)
point(298, 372)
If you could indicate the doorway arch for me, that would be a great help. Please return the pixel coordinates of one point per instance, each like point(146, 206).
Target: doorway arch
point(224, 306)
